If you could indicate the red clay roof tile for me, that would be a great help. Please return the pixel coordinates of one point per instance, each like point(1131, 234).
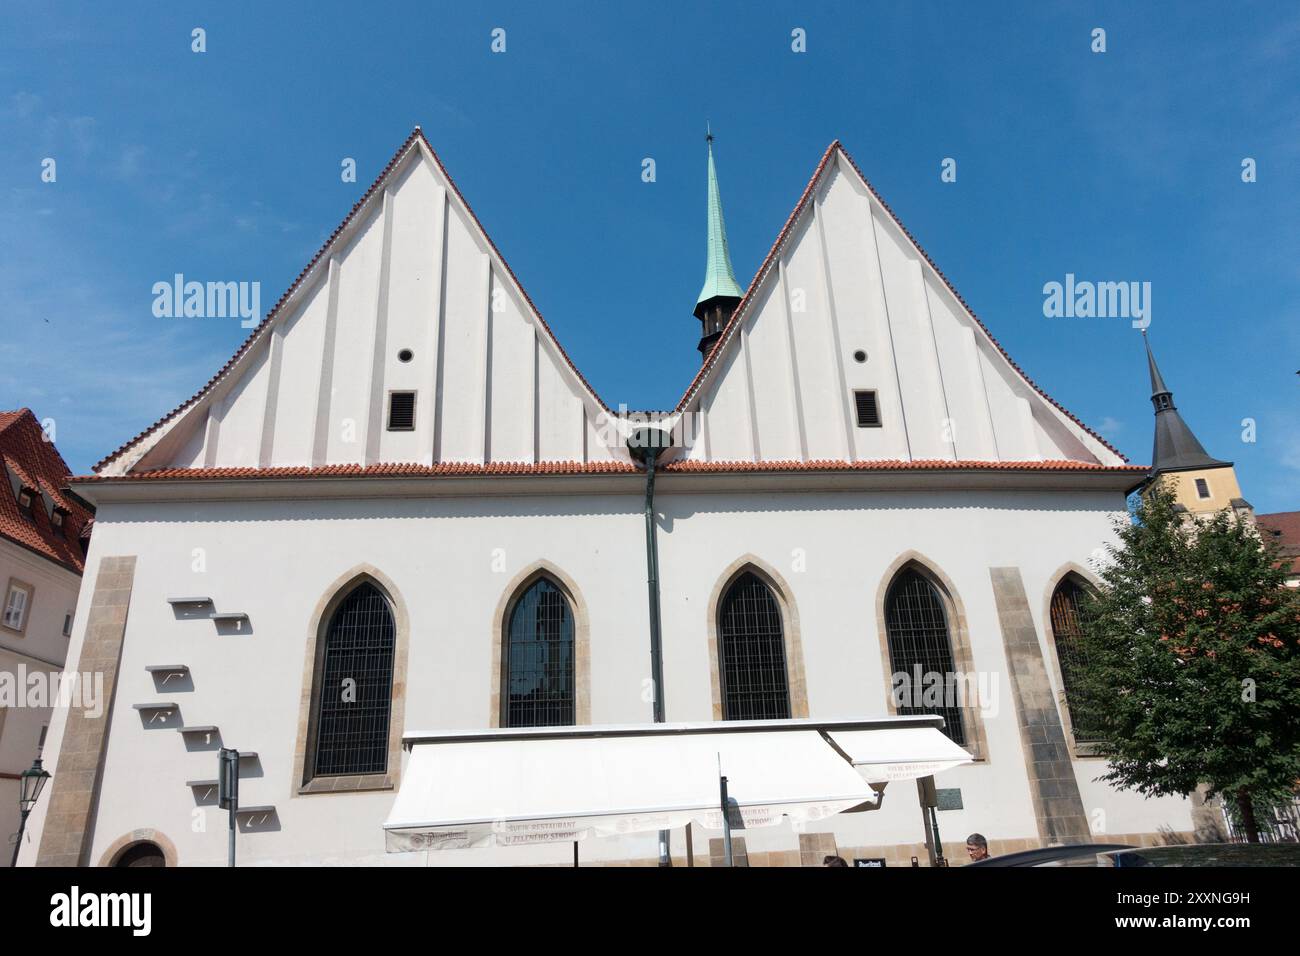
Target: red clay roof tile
point(1283, 528)
point(39, 466)
point(466, 469)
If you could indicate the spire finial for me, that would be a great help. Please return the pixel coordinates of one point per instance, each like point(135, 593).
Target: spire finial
point(1157, 381)
point(719, 277)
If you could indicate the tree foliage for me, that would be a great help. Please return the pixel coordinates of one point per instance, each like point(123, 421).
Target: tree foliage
point(1191, 660)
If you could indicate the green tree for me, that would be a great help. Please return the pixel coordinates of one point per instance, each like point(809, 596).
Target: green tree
point(1191, 661)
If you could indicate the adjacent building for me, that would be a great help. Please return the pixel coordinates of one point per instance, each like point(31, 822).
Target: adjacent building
point(1201, 484)
point(1283, 528)
point(44, 533)
point(401, 507)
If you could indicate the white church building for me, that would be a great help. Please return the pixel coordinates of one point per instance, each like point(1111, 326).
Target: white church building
point(400, 509)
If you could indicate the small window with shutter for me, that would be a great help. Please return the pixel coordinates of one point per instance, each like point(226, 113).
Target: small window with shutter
point(1202, 488)
point(401, 411)
point(868, 409)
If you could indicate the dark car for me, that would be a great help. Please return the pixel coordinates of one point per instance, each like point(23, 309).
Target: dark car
point(1207, 854)
point(1117, 854)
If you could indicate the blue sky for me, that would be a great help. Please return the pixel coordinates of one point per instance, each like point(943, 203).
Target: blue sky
point(1119, 166)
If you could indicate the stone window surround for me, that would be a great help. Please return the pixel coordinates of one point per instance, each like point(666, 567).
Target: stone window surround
point(304, 781)
point(958, 637)
point(794, 665)
point(1089, 581)
point(143, 835)
point(27, 608)
point(581, 640)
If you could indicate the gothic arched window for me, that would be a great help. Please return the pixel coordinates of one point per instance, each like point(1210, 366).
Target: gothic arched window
point(355, 693)
point(751, 651)
point(920, 651)
point(1066, 634)
point(539, 665)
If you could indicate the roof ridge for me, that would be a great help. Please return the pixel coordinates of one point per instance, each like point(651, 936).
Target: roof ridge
point(10, 417)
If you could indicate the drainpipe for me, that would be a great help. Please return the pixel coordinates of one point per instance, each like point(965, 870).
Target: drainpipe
point(646, 445)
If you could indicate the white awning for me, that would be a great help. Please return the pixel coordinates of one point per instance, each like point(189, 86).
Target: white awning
point(901, 753)
point(500, 788)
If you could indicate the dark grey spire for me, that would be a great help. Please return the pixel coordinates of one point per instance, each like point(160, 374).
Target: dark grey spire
point(1176, 448)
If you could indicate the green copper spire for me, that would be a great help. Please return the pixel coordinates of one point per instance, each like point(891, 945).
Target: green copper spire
point(719, 279)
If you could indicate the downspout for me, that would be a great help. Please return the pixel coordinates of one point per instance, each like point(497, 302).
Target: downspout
point(652, 587)
point(646, 445)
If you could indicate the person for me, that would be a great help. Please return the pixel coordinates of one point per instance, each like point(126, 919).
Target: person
point(978, 847)
point(833, 860)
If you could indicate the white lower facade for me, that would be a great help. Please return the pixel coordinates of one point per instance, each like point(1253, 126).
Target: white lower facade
point(29, 654)
point(451, 563)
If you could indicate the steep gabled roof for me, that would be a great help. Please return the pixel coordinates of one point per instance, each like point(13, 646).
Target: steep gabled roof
point(773, 255)
point(1176, 448)
point(719, 277)
point(416, 138)
point(38, 466)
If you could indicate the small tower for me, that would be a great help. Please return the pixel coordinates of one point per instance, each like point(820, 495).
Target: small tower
point(1200, 484)
point(721, 294)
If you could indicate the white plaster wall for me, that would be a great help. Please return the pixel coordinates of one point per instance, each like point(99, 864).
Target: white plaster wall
point(559, 427)
point(923, 398)
point(354, 337)
point(300, 370)
point(860, 307)
point(241, 415)
point(511, 371)
point(775, 412)
point(969, 430)
point(726, 419)
point(275, 559)
point(41, 648)
point(812, 353)
point(55, 594)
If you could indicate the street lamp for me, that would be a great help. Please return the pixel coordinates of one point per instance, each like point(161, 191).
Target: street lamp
point(30, 784)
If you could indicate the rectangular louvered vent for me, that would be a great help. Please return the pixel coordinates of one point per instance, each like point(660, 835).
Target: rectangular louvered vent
point(401, 411)
point(867, 408)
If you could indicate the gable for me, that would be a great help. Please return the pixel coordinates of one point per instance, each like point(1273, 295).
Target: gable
point(410, 270)
point(845, 277)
